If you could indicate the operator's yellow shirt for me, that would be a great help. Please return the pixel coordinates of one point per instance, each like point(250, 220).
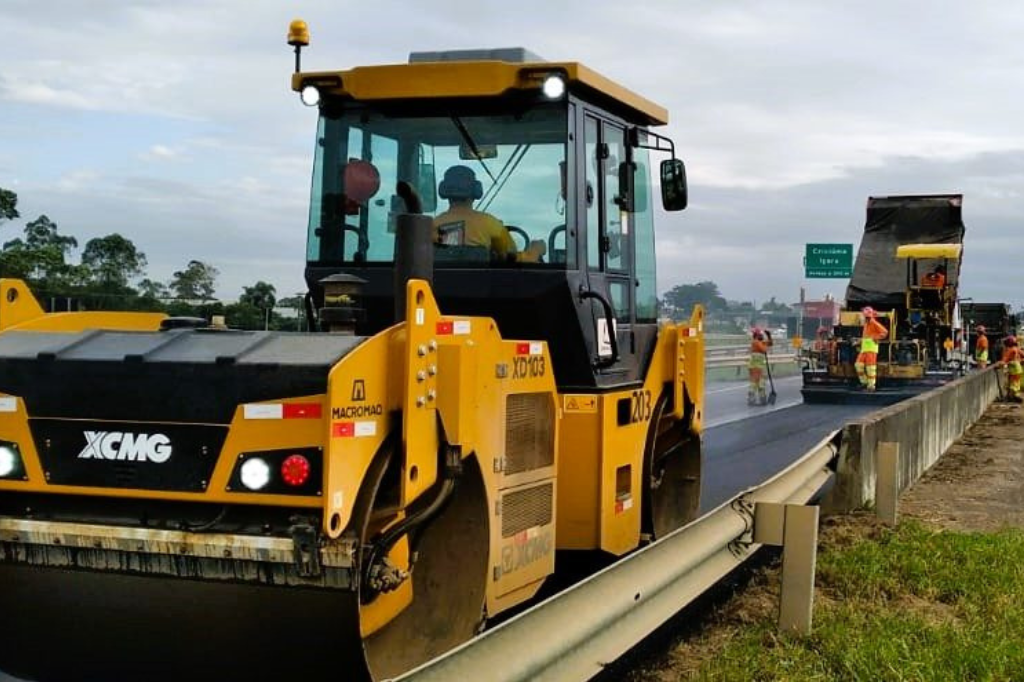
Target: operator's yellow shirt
point(465, 226)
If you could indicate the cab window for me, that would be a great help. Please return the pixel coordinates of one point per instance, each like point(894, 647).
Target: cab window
point(515, 164)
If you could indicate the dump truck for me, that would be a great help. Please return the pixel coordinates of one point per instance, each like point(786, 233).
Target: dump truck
point(908, 270)
point(363, 497)
point(998, 320)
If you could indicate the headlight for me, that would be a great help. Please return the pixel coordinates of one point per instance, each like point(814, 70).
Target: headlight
point(255, 473)
point(553, 87)
point(310, 95)
point(10, 461)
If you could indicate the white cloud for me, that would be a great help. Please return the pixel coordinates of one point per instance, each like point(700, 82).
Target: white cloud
point(160, 152)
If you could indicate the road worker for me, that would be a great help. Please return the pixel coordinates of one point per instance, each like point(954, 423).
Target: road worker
point(981, 347)
point(463, 225)
point(1012, 359)
point(947, 349)
point(867, 360)
point(757, 367)
point(821, 347)
point(936, 278)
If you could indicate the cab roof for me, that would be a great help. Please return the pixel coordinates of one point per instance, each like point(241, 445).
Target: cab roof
point(441, 75)
point(929, 251)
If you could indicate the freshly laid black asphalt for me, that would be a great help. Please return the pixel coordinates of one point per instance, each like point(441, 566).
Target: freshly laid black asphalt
point(744, 446)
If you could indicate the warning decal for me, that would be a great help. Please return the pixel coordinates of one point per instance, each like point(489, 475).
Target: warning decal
point(580, 404)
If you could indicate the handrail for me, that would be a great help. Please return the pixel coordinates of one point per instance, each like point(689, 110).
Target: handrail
point(578, 632)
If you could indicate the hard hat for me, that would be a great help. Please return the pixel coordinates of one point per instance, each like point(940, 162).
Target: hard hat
point(823, 329)
point(980, 329)
point(362, 180)
point(868, 311)
point(460, 183)
point(1010, 341)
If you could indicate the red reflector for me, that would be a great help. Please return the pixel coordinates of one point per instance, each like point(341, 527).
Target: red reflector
point(445, 327)
point(522, 349)
point(295, 470)
point(301, 411)
point(343, 429)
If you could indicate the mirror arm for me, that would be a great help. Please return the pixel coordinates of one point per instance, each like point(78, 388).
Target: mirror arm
point(634, 141)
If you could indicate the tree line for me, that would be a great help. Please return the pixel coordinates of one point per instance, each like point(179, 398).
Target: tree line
point(110, 274)
point(679, 301)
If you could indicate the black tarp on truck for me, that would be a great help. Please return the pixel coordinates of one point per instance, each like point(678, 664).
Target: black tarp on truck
point(879, 278)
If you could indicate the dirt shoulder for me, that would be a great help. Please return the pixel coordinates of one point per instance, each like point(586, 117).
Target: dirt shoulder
point(978, 485)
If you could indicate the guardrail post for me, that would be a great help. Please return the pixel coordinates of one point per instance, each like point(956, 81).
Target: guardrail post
point(887, 493)
point(795, 528)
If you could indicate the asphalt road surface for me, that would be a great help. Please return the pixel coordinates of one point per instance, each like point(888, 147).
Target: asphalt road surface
point(744, 446)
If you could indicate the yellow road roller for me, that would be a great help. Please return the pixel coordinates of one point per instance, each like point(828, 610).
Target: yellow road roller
point(486, 388)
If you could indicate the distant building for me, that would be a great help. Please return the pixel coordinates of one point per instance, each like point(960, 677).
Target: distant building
point(824, 313)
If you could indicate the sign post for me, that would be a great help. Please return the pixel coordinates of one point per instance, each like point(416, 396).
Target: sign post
point(828, 261)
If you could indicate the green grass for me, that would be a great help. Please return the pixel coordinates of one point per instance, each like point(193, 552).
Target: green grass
point(912, 604)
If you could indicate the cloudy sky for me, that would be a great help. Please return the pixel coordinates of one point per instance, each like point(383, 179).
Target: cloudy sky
point(173, 122)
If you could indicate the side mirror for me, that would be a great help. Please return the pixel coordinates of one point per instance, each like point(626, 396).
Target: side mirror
point(673, 185)
point(627, 183)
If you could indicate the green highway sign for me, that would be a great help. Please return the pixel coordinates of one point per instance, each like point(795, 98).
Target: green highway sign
point(828, 261)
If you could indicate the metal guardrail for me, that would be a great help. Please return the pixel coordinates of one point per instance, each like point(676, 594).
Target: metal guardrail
point(738, 356)
point(578, 632)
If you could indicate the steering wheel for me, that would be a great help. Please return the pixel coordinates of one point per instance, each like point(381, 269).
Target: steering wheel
point(513, 229)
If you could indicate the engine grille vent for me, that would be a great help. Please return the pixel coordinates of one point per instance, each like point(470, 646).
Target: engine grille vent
point(529, 432)
point(527, 508)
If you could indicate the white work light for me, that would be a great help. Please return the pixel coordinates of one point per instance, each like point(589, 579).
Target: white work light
point(255, 473)
point(553, 87)
point(8, 461)
point(310, 95)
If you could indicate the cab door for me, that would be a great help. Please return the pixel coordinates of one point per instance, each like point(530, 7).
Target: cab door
point(610, 269)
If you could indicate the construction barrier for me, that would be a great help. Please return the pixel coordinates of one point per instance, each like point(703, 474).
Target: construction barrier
point(923, 428)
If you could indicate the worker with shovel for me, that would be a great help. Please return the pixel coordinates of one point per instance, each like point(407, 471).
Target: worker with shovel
point(757, 367)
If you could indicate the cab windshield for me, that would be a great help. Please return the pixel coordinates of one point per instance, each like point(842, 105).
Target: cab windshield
point(510, 166)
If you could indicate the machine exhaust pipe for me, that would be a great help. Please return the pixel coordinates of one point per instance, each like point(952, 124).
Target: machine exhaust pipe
point(414, 246)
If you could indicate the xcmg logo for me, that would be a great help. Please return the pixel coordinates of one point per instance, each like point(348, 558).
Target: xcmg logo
point(130, 447)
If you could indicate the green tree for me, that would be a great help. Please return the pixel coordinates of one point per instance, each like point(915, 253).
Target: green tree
point(260, 295)
point(112, 261)
point(245, 316)
point(155, 290)
point(255, 308)
point(41, 257)
point(8, 205)
point(196, 282)
point(683, 297)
